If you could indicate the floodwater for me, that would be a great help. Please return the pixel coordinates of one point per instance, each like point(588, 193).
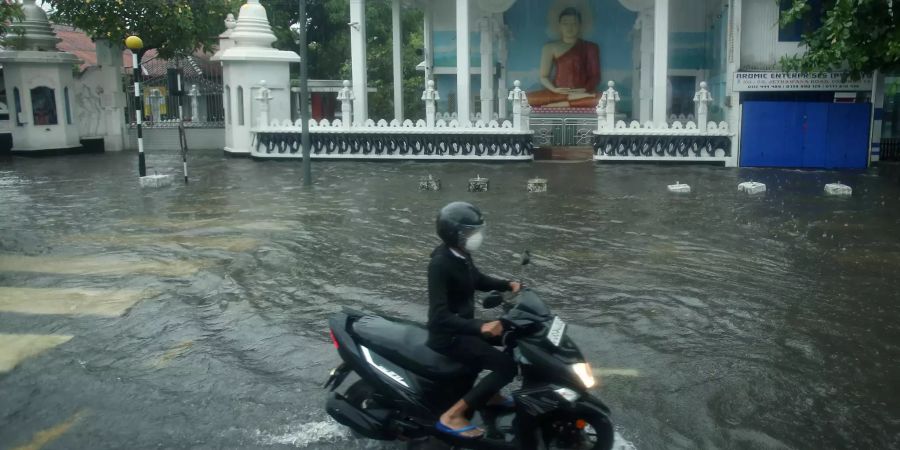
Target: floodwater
point(195, 316)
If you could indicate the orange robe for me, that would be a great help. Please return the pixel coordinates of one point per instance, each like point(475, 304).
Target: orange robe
point(578, 68)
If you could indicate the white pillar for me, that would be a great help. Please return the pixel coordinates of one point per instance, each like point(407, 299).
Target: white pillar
point(398, 69)
point(660, 60)
point(502, 57)
point(646, 81)
point(429, 42)
point(734, 64)
point(358, 59)
point(487, 72)
point(463, 65)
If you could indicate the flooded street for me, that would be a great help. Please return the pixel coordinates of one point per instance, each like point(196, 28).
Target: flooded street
point(195, 316)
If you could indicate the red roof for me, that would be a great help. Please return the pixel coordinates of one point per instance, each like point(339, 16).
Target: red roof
point(80, 44)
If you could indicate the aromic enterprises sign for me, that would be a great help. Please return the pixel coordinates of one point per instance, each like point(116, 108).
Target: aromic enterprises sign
point(795, 81)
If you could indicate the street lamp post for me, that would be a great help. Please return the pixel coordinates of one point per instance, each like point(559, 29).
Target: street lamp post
point(135, 44)
point(299, 30)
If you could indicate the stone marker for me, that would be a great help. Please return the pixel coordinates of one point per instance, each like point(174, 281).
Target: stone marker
point(429, 183)
point(156, 180)
point(478, 184)
point(537, 185)
point(752, 187)
point(838, 189)
point(679, 188)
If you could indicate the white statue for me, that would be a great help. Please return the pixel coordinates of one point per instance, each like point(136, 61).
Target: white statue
point(345, 96)
point(609, 98)
point(156, 99)
point(430, 95)
point(702, 99)
point(520, 107)
point(194, 94)
point(264, 97)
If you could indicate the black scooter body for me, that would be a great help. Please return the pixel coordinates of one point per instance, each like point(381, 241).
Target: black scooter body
point(412, 385)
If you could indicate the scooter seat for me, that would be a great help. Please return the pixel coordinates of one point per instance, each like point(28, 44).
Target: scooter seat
point(405, 345)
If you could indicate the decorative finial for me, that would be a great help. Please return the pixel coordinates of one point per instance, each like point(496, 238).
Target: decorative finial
point(431, 84)
point(262, 83)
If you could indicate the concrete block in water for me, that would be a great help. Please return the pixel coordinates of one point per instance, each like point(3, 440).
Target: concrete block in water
point(752, 187)
point(429, 183)
point(679, 188)
point(537, 185)
point(478, 184)
point(838, 189)
point(156, 181)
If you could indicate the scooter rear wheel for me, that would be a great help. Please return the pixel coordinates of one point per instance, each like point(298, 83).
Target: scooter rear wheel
point(359, 394)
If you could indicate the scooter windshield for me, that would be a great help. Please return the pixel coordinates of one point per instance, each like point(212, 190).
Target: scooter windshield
point(530, 303)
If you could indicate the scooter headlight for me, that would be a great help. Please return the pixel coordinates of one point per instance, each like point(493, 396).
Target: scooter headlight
point(585, 374)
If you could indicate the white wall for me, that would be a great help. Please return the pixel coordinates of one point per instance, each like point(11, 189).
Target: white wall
point(248, 74)
point(166, 139)
point(100, 108)
point(760, 48)
point(31, 137)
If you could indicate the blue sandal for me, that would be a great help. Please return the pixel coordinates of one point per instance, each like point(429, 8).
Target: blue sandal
point(458, 433)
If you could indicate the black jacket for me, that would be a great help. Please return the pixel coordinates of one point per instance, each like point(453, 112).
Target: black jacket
point(452, 282)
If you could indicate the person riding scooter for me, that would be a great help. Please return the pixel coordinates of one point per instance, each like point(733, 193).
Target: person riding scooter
point(452, 328)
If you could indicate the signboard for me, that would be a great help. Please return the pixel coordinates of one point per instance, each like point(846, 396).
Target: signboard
point(796, 81)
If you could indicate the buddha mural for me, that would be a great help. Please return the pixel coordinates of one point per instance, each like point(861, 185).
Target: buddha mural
point(570, 66)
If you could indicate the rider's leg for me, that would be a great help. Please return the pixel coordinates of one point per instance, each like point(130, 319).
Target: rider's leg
point(477, 353)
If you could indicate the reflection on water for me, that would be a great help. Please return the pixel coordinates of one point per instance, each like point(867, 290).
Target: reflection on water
point(719, 320)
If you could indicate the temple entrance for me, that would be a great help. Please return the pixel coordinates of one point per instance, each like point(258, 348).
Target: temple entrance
point(562, 137)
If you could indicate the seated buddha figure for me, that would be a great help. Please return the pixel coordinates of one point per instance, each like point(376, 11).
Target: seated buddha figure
point(570, 68)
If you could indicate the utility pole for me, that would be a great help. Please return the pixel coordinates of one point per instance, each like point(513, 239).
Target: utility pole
point(304, 95)
point(135, 44)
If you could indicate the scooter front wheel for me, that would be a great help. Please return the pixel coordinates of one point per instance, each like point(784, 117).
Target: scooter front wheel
point(584, 429)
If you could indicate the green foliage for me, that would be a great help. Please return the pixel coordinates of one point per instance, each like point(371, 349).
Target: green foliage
point(9, 11)
point(170, 26)
point(857, 36)
point(328, 37)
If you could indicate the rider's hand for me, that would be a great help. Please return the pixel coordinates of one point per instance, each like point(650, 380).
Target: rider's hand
point(492, 329)
point(515, 286)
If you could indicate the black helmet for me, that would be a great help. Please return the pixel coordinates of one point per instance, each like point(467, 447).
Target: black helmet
point(457, 220)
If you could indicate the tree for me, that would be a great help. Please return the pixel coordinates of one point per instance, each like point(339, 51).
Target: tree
point(856, 36)
point(9, 11)
point(329, 48)
point(171, 27)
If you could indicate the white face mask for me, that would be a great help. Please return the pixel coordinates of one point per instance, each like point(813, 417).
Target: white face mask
point(473, 242)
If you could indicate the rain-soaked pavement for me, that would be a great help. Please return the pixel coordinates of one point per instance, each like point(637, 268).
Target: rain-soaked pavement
point(194, 316)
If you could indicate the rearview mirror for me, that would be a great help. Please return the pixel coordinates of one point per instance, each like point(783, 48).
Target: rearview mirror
point(493, 300)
